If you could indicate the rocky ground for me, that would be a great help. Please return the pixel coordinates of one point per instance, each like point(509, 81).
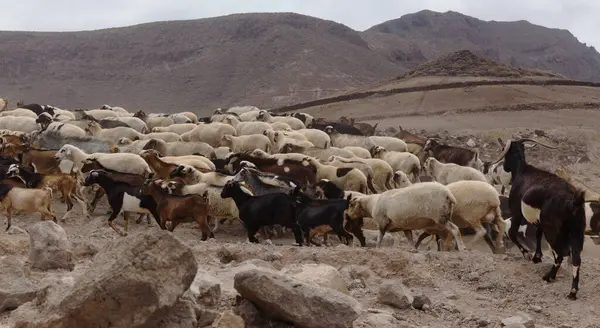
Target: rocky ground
point(82, 273)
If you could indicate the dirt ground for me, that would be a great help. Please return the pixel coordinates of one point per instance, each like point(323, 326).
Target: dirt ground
point(468, 289)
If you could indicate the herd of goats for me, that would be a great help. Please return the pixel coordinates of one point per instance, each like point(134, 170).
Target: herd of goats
point(274, 171)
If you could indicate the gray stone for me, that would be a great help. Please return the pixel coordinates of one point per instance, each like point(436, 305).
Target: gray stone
point(133, 282)
point(294, 301)
point(420, 301)
point(228, 319)
point(205, 317)
point(49, 247)
point(521, 318)
point(317, 274)
point(14, 230)
point(15, 288)
point(471, 143)
point(85, 249)
point(394, 293)
point(181, 315)
point(206, 288)
point(377, 320)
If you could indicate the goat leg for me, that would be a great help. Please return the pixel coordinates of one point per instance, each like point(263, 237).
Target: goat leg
point(297, 233)
point(422, 236)
point(537, 257)
point(8, 218)
point(338, 228)
point(126, 219)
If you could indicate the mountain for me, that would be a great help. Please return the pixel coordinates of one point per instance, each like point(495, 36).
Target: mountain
point(262, 59)
point(428, 34)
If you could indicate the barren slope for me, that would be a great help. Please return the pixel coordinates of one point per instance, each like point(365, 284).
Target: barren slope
point(427, 34)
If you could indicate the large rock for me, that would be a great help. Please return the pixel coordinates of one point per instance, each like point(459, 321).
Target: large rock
point(521, 318)
point(15, 288)
point(297, 302)
point(49, 247)
point(394, 293)
point(206, 288)
point(317, 274)
point(133, 282)
point(228, 319)
point(181, 315)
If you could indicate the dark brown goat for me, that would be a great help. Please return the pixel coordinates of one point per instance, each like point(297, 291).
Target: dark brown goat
point(296, 170)
point(179, 208)
point(452, 154)
point(40, 160)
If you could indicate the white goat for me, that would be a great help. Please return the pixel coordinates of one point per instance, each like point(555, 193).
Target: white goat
point(121, 162)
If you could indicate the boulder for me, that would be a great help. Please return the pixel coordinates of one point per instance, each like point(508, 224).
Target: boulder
point(49, 247)
point(85, 249)
point(521, 318)
point(297, 302)
point(317, 274)
point(15, 288)
point(394, 293)
point(181, 315)
point(133, 282)
point(228, 319)
point(206, 288)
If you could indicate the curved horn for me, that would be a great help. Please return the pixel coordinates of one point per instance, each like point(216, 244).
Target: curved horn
point(504, 151)
point(537, 142)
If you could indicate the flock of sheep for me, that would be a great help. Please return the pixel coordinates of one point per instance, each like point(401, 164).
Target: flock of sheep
point(292, 171)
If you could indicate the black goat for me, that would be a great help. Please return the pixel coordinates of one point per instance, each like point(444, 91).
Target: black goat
point(312, 213)
point(122, 196)
point(258, 211)
point(552, 204)
point(340, 127)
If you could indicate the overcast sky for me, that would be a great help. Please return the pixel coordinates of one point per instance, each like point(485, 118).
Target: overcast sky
point(578, 16)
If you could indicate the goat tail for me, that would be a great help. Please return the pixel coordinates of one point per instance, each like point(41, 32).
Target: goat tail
point(370, 184)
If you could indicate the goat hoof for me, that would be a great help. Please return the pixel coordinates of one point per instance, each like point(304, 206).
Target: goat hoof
point(548, 278)
point(572, 296)
point(537, 258)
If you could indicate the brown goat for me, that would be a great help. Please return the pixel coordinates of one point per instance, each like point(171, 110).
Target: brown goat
point(179, 208)
point(161, 168)
point(409, 137)
point(296, 170)
point(26, 200)
point(366, 128)
point(65, 183)
point(40, 160)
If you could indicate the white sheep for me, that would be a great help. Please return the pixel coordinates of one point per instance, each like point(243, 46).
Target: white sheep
point(19, 123)
point(239, 110)
point(400, 161)
point(344, 178)
point(280, 126)
point(122, 162)
point(164, 136)
point(133, 122)
point(477, 202)
point(179, 118)
point(246, 143)
point(64, 114)
point(381, 172)
point(318, 138)
point(218, 208)
point(293, 122)
point(222, 117)
point(427, 205)
point(176, 128)
point(20, 112)
point(66, 130)
point(249, 116)
point(3, 104)
point(198, 162)
point(247, 128)
point(153, 120)
point(192, 176)
point(222, 152)
point(358, 151)
point(209, 133)
point(119, 110)
point(324, 154)
point(112, 134)
point(193, 117)
point(100, 114)
point(401, 180)
point(446, 173)
point(390, 143)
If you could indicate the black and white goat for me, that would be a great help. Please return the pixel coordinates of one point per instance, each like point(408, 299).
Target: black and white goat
point(551, 203)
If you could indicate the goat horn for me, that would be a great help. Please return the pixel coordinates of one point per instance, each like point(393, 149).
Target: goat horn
point(504, 151)
point(538, 142)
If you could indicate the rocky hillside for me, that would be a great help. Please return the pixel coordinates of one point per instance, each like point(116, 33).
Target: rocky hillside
point(426, 34)
point(267, 60)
